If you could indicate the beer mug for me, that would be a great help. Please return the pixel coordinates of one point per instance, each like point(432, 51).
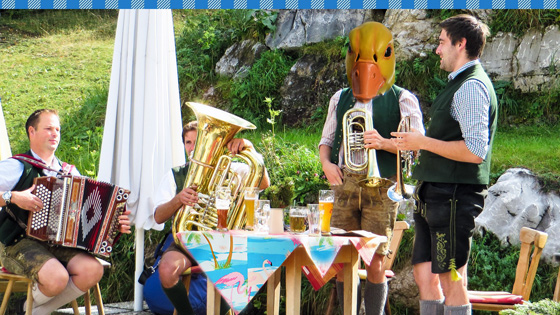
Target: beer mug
point(326, 203)
point(297, 219)
point(250, 197)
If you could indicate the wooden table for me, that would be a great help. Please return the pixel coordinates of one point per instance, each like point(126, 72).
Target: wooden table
point(294, 252)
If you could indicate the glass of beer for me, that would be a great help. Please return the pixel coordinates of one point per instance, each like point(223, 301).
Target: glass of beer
point(223, 202)
point(326, 202)
point(297, 219)
point(250, 198)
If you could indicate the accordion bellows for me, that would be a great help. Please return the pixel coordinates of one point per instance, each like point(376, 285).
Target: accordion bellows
point(78, 212)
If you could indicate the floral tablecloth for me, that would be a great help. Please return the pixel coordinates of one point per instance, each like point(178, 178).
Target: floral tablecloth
point(240, 262)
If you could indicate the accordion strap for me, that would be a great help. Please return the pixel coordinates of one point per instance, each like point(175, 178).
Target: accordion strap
point(66, 168)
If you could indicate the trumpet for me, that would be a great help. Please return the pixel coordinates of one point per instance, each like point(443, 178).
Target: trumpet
point(405, 160)
point(356, 156)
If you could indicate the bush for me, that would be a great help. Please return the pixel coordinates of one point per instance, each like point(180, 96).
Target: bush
point(543, 307)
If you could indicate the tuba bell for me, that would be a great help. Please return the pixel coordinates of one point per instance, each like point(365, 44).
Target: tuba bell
point(210, 168)
point(401, 191)
point(355, 122)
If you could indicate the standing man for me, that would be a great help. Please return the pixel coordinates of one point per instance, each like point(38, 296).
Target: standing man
point(370, 67)
point(453, 169)
point(60, 274)
point(169, 198)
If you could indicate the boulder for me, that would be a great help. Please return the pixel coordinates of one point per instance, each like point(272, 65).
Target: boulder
point(516, 201)
point(296, 28)
point(308, 87)
point(403, 289)
point(498, 55)
point(413, 32)
point(238, 58)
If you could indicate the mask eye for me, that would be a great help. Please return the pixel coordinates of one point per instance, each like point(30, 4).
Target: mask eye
point(388, 52)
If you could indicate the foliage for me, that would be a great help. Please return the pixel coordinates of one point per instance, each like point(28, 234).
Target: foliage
point(213, 31)
point(263, 81)
point(413, 74)
point(519, 21)
point(543, 307)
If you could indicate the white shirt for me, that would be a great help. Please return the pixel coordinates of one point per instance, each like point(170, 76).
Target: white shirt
point(12, 169)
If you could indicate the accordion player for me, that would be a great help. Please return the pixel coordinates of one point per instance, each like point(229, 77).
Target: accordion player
point(78, 212)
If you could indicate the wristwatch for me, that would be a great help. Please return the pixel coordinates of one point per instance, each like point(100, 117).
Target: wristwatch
point(7, 196)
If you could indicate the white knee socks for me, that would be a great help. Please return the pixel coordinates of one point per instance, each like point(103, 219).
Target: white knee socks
point(69, 294)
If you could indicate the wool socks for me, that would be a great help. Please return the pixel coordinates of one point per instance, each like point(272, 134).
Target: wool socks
point(431, 307)
point(178, 296)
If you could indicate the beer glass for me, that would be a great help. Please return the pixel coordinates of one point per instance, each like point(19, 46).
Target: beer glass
point(262, 215)
point(297, 219)
point(250, 197)
point(326, 202)
point(223, 202)
point(313, 219)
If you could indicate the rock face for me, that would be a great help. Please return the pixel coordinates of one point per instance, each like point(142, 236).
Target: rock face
point(413, 32)
point(515, 201)
point(238, 59)
point(295, 28)
point(308, 87)
point(403, 289)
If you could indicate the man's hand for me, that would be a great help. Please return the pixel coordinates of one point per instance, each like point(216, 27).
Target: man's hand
point(236, 145)
point(333, 173)
point(124, 222)
point(408, 141)
point(188, 196)
point(373, 140)
point(26, 200)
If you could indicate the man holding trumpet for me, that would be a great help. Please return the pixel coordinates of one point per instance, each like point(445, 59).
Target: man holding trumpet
point(361, 202)
point(453, 169)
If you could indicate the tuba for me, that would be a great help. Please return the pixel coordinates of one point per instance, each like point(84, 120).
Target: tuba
point(401, 191)
point(210, 168)
point(355, 122)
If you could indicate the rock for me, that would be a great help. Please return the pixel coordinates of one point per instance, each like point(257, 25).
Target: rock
point(413, 33)
point(498, 55)
point(516, 201)
point(238, 59)
point(309, 86)
point(296, 28)
point(403, 289)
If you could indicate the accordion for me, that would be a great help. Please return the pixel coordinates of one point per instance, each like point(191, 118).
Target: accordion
point(78, 212)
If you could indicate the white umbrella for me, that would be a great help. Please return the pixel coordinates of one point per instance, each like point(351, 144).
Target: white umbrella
point(5, 150)
point(142, 135)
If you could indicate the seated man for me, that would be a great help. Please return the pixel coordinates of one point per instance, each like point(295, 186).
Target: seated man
point(60, 274)
point(168, 200)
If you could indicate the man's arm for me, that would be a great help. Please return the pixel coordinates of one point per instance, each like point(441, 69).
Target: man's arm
point(236, 145)
point(187, 197)
point(332, 171)
point(453, 150)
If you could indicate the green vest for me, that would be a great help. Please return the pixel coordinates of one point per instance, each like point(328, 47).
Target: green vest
point(435, 168)
point(386, 118)
point(180, 174)
point(10, 230)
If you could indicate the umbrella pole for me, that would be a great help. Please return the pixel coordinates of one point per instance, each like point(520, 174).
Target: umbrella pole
point(138, 288)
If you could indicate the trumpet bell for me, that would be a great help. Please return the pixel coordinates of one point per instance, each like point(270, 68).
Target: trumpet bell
point(396, 196)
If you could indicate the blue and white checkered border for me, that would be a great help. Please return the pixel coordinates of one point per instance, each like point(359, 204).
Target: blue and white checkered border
point(279, 4)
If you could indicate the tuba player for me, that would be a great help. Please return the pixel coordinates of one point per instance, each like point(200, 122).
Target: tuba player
point(370, 68)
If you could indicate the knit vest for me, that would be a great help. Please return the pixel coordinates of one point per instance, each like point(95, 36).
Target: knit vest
point(386, 118)
point(435, 168)
point(10, 230)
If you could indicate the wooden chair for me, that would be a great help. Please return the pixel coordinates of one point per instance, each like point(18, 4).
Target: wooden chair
point(532, 244)
point(398, 232)
point(556, 296)
point(10, 283)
